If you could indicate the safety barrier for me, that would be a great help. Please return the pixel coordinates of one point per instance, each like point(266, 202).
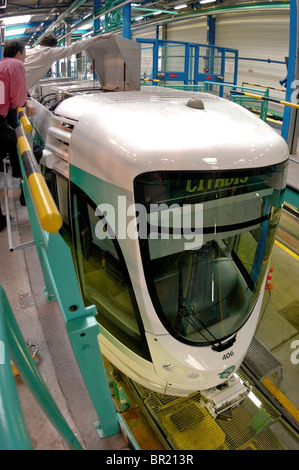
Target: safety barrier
point(240, 98)
point(81, 325)
point(276, 112)
point(268, 98)
point(179, 61)
point(13, 430)
point(24, 120)
point(48, 214)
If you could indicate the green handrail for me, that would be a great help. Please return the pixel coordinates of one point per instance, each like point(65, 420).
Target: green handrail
point(242, 100)
point(13, 431)
point(80, 322)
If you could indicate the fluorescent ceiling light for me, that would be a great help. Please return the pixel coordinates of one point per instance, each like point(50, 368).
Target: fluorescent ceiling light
point(15, 32)
point(139, 18)
point(178, 7)
point(85, 26)
point(207, 1)
point(16, 20)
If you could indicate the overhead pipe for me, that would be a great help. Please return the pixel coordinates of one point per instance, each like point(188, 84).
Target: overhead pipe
point(182, 16)
point(87, 20)
point(61, 18)
point(211, 11)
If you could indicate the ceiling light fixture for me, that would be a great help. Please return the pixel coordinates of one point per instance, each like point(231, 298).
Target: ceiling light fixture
point(206, 1)
point(178, 7)
point(15, 32)
point(16, 20)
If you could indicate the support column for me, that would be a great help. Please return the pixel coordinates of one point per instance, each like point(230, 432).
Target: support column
point(2, 39)
point(290, 125)
point(211, 29)
point(68, 43)
point(126, 21)
point(97, 4)
point(209, 63)
point(96, 24)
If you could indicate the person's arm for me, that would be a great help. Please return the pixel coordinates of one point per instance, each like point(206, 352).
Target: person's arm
point(63, 52)
point(30, 107)
point(40, 59)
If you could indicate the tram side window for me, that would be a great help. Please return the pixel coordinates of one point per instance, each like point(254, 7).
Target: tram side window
point(104, 278)
point(58, 186)
point(62, 198)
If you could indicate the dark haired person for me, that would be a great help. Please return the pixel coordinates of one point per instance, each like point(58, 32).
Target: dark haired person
point(49, 41)
point(40, 58)
point(13, 95)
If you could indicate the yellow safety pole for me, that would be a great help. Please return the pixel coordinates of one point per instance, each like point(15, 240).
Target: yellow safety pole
point(259, 97)
point(24, 120)
point(151, 80)
point(47, 212)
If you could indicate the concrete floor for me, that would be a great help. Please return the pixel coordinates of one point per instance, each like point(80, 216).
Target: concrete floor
point(41, 322)
point(279, 326)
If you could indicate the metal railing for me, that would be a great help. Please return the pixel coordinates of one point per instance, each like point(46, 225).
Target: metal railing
point(81, 325)
point(13, 430)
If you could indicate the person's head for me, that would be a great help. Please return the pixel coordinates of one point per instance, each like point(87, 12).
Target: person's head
point(15, 50)
point(49, 41)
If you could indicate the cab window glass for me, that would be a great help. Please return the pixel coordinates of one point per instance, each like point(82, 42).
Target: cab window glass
point(104, 278)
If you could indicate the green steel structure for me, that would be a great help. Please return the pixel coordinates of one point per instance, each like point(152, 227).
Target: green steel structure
point(82, 329)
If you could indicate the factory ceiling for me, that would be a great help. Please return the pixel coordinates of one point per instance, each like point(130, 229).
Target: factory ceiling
point(30, 20)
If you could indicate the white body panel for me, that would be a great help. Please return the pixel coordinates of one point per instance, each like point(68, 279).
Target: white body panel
point(118, 136)
point(151, 130)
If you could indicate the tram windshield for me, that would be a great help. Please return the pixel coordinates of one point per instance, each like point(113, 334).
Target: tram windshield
point(207, 245)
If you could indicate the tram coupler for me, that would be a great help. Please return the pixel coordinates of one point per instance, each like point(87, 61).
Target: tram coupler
point(219, 401)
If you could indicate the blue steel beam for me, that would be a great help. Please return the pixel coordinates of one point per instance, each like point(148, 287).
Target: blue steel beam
point(126, 21)
point(293, 38)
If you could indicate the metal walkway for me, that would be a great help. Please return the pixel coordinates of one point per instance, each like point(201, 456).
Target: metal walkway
point(182, 423)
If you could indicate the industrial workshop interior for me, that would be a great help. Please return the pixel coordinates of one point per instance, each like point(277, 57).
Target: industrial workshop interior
point(149, 251)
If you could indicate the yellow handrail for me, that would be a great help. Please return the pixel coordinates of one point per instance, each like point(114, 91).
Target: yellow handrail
point(47, 212)
point(24, 120)
point(259, 97)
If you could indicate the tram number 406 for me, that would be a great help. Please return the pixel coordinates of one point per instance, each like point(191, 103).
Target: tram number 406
point(227, 355)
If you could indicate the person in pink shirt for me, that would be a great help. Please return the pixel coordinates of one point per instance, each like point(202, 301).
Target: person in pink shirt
point(13, 93)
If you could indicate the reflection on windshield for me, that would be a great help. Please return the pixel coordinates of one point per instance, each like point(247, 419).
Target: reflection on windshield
point(205, 295)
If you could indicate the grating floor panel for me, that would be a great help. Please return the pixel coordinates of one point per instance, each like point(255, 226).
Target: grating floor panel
point(187, 426)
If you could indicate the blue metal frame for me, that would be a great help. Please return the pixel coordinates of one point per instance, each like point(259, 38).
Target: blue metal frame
point(189, 76)
point(291, 66)
point(126, 21)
